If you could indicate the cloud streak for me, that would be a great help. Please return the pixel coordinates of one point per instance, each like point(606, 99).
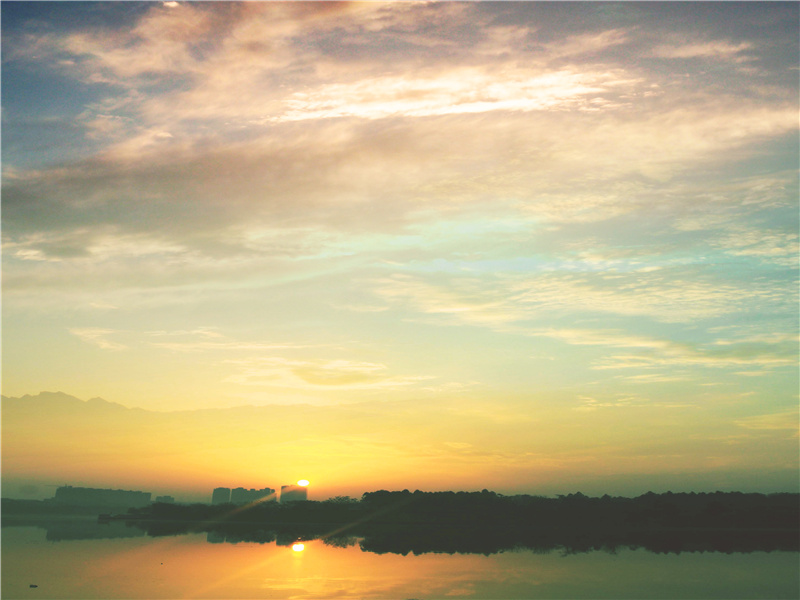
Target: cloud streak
point(98, 337)
point(283, 373)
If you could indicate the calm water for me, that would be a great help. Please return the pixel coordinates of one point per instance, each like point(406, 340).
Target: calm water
point(193, 566)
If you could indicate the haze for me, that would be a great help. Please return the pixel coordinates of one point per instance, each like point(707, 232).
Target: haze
point(530, 247)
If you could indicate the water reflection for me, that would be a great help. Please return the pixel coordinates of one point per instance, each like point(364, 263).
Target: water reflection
point(485, 541)
point(420, 540)
point(59, 529)
point(187, 566)
point(404, 545)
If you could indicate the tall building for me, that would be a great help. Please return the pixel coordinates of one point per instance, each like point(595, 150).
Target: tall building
point(106, 498)
point(294, 493)
point(265, 495)
point(221, 495)
point(239, 495)
point(165, 499)
point(242, 496)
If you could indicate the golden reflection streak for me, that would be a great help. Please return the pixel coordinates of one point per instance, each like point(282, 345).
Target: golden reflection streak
point(238, 574)
point(249, 569)
point(244, 570)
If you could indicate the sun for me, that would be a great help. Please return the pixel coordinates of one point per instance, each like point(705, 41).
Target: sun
point(298, 547)
point(303, 482)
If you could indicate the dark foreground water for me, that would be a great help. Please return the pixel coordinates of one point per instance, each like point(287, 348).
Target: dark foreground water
point(122, 562)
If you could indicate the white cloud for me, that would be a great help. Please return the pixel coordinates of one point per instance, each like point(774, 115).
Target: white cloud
point(462, 91)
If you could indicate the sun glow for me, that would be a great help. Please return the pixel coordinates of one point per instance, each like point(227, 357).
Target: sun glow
point(303, 482)
point(298, 547)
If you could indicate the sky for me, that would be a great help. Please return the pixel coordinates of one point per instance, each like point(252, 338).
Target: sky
point(526, 246)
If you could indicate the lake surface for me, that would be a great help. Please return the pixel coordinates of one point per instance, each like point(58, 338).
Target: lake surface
point(122, 562)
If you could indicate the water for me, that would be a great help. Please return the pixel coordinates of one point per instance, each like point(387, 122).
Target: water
point(199, 565)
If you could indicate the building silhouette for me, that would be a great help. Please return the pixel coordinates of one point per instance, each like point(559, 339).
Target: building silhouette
point(221, 495)
point(105, 498)
point(165, 499)
point(294, 493)
point(240, 495)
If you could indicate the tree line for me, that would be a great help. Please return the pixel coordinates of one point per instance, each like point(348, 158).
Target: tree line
point(486, 522)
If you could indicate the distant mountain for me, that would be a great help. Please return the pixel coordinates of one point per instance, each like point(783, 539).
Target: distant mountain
point(57, 401)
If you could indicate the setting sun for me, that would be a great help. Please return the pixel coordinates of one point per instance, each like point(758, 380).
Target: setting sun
point(298, 547)
point(303, 482)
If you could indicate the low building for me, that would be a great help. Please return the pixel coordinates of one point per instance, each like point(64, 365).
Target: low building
point(101, 498)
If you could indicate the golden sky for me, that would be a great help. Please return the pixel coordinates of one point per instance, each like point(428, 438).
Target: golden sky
point(524, 246)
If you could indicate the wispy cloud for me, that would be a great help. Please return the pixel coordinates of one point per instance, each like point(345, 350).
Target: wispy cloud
point(718, 49)
point(769, 246)
point(226, 346)
point(461, 92)
point(587, 43)
point(279, 372)
point(505, 299)
point(789, 420)
point(661, 352)
point(98, 337)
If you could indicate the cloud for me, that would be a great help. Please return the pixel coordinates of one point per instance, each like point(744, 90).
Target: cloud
point(587, 43)
point(224, 106)
point(772, 421)
point(227, 346)
point(316, 375)
point(657, 378)
point(159, 44)
point(462, 91)
point(491, 165)
point(719, 49)
point(766, 353)
point(672, 296)
point(769, 246)
point(98, 337)
point(744, 357)
point(590, 403)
